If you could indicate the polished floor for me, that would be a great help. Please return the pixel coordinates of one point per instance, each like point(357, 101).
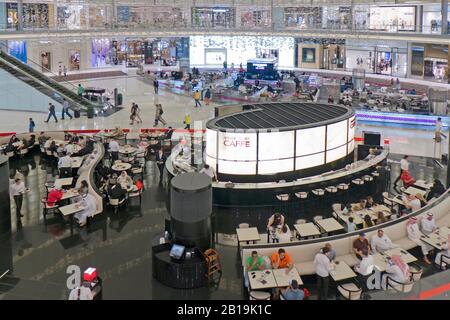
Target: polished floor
point(118, 245)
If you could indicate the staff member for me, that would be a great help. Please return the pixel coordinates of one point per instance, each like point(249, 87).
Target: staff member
point(208, 170)
point(16, 190)
point(323, 266)
point(404, 166)
point(114, 149)
point(160, 162)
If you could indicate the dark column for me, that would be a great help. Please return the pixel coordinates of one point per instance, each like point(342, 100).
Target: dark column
point(190, 210)
point(444, 10)
point(5, 218)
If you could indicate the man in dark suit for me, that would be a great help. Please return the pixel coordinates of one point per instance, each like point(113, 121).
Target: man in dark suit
point(117, 192)
point(160, 162)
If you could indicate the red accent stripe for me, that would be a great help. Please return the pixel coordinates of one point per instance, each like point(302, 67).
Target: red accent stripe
point(5, 134)
point(359, 139)
point(434, 292)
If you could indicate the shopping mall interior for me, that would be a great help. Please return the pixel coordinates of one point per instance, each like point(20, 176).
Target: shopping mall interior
point(224, 150)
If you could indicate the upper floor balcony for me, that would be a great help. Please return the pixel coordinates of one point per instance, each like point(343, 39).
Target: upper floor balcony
point(422, 33)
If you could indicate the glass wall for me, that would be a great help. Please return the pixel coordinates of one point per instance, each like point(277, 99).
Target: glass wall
point(37, 15)
point(72, 16)
point(393, 19)
point(101, 53)
point(432, 19)
point(337, 17)
point(251, 18)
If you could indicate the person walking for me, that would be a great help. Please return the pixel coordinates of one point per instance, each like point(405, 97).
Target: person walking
point(160, 162)
point(59, 71)
point(132, 113)
point(197, 97)
point(65, 71)
point(158, 115)
point(404, 166)
point(31, 125)
point(51, 112)
point(65, 109)
point(156, 86)
point(187, 121)
point(438, 135)
point(80, 90)
point(137, 112)
point(208, 96)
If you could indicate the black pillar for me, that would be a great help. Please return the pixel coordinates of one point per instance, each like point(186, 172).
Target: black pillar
point(6, 262)
point(190, 210)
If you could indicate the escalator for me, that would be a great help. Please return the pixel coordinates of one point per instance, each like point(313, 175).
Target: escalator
point(46, 85)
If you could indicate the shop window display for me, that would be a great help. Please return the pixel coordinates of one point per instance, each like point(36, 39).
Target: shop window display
point(216, 17)
point(168, 17)
point(12, 18)
point(255, 18)
point(71, 16)
point(74, 60)
point(99, 16)
point(35, 15)
point(303, 17)
point(118, 52)
point(135, 53)
point(361, 17)
point(337, 18)
point(134, 15)
point(46, 62)
point(101, 52)
point(393, 19)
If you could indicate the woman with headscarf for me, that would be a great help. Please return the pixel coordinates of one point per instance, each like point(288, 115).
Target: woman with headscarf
point(125, 180)
point(443, 257)
point(397, 270)
point(414, 234)
point(436, 190)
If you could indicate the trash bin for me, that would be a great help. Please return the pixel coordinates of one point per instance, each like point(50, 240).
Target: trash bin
point(76, 113)
point(90, 112)
point(119, 99)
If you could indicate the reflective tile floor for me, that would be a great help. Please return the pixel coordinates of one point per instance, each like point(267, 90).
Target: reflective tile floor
point(119, 246)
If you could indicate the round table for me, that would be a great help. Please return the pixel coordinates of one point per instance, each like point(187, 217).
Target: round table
point(121, 166)
point(127, 150)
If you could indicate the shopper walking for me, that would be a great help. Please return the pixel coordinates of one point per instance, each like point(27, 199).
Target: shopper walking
point(65, 109)
point(137, 113)
point(160, 162)
point(65, 71)
point(158, 115)
point(51, 112)
point(197, 97)
point(31, 125)
point(208, 96)
point(438, 135)
point(156, 86)
point(132, 113)
point(187, 121)
point(404, 166)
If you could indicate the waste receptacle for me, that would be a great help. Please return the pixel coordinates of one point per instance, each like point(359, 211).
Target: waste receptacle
point(90, 112)
point(76, 113)
point(119, 99)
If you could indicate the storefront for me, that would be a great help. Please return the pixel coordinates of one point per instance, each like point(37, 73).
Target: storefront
point(18, 49)
point(213, 17)
point(214, 50)
point(430, 61)
point(101, 53)
point(321, 53)
point(381, 57)
point(393, 19)
point(46, 61)
point(432, 19)
point(12, 20)
point(135, 52)
point(133, 15)
point(37, 15)
point(253, 17)
point(361, 17)
point(72, 16)
point(119, 51)
point(303, 17)
point(74, 59)
point(165, 16)
point(337, 17)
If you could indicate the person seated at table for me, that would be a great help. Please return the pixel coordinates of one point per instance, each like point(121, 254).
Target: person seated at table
point(381, 217)
point(74, 138)
point(85, 150)
point(367, 221)
point(423, 201)
point(275, 222)
point(60, 150)
point(117, 192)
point(347, 209)
point(82, 142)
point(407, 179)
point(365, 267)
point(117, 132)
point(361, 244)
point(65, 165)
point(84, 187)
point(53, 148)
point(13, 139)
point(169, 133)
point(124, 179)
point(351, 226)
point(411, 203)
point(284, 234)
point(359, 206)
point(370, 202)
point(69, 147)
point(428, 224)
point(89, 205)
point(443, 257)
point(42, 139)
point(32, 141)
point(293, 292)
point(436, 190)
point(281, 260)
point(55, 195)
point(381, 242)
point(397, 270)
point(254, 262)
point(414, 234)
